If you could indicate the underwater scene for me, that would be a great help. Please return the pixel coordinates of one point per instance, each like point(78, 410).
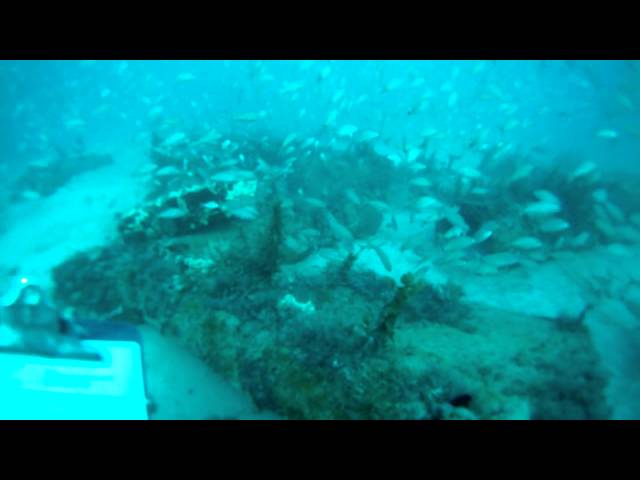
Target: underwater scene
point(323, 239)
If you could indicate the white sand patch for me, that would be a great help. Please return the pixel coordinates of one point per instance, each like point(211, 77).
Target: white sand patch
point(616, 337)
point(44, 232)
point(567, 285)
point(542, 290)
point(184, 388)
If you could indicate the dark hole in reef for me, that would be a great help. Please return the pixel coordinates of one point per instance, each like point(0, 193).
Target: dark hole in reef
point(463, 400)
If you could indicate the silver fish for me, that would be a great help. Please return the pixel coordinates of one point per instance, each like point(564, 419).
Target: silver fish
point(172, 213)
point(459, 243)
point(554, 225)
point(174, 139)
point(243, 213)
point(527, 243)
point(541, 209)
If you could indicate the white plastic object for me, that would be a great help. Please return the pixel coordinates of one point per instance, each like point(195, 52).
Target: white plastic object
point(46, 388)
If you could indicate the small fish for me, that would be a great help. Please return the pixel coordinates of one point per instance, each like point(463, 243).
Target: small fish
point(420, 182)
point(554, 225)
point(290, 138)
point(429, 132)
point(484, 269)
point(614, 212)
point(527, 243)
point(231, 162)
point(459, 243)
point(243, 213)
point(469, 172)
point(380, 205)
point(30, 195)
point(167, 171)
point(600, 195)
point(502, 259)
point(453, 99)
point(605, 227)
point(511, 124)
point(635, 219)
point(306, 64)
point(39, 164)
point(340, 231)
point(455, 255)
point(446, 87)
point(541, 209)
point(315, 202)
point(368, 135)
point(233, 176)
point(393, 84)
point(352, 196)
point(347, 131)
point(211, 138)
point(307, 143)
point(155, 111)
point(324, 73)
point(185, 77)
point(583, 170)
point(625, 101)
point(250, 117)
point(394, 223)
point(395, 158)
point(74, 123)
point(452, 214)
point(310, 232)
point(483, 234)
point(627, 233)
point(174, 139)
point(619, 250)
point(428, 203)
point(147, 168)
point(413, 154)
point(453, 232)
point(337, 96)
point(291, 87)
point(479, 191)
point(607, 134)
point(418, 82)
point(429, 216)
point(212, 205)
point(331, 118)
point(523, 171)
point(417, 167)
point(546, 196)
point(172, 213)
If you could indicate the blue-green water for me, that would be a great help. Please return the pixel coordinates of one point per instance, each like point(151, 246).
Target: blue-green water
point(505, 190)
point(554, 100)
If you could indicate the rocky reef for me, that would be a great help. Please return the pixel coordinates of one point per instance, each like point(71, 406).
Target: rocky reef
point(256, 267)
